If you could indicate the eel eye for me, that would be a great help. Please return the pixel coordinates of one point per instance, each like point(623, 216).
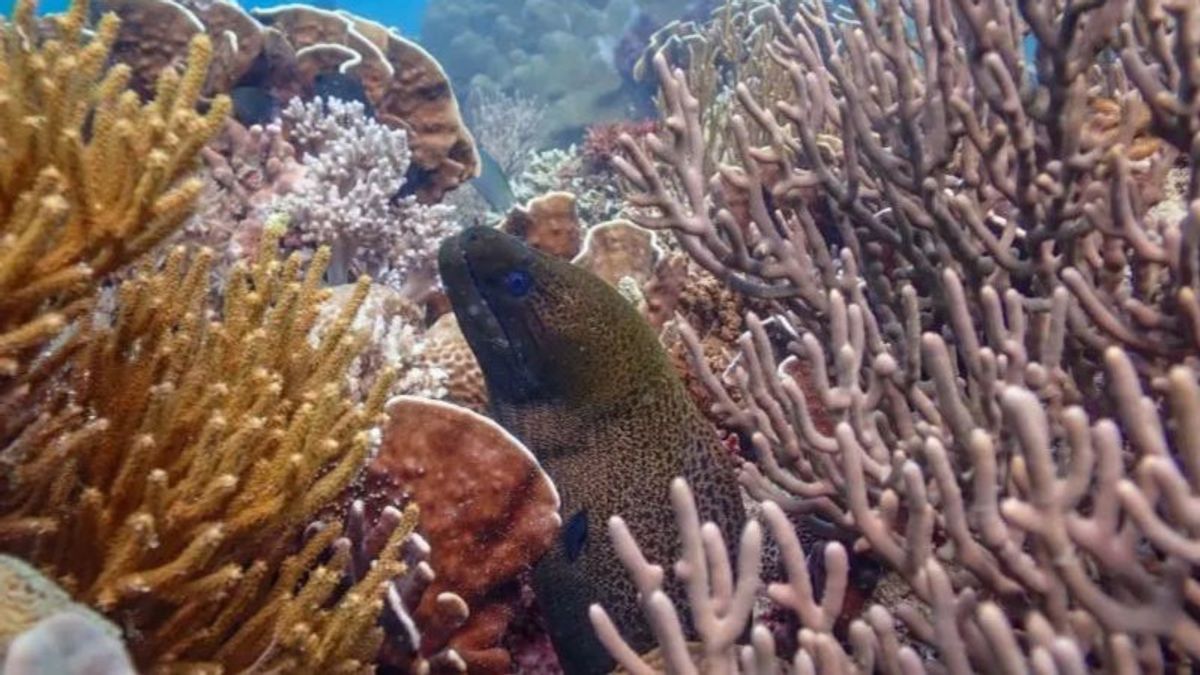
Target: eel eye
point(518, 283)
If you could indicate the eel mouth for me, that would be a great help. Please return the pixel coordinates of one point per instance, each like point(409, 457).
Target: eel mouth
point(504, 359)
point(463, 286)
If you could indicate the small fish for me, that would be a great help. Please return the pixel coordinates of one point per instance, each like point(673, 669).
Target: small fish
point(493, 184)
point(254, 105)
point(344, 87)
point(576, 373)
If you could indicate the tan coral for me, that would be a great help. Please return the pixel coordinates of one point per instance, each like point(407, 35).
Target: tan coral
point(487, 509)
point(154, 37)
point(419, 98)
point(406, 86)
point(169, 482)
point(619, 249)
point(74, 208)
point(549, 223)
point(238, 41)
point(446, 348)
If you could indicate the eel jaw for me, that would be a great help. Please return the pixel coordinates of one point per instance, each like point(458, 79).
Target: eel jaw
point(498, 356)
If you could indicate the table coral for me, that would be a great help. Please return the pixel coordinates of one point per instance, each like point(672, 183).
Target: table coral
point(548, 223)
point(283, 50)
point(487, 509)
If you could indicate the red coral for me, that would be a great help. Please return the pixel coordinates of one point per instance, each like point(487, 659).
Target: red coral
point(601, 142)
point(487, 510)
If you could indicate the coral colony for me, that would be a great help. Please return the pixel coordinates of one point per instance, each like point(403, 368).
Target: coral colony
point(929, 270)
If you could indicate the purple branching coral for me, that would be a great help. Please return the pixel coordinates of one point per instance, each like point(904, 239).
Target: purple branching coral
point(350, 197)
point(990, 376)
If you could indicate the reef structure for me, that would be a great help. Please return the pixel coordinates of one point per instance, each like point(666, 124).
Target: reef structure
point(287, 51)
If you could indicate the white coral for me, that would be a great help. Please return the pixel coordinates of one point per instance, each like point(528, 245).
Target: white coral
point(350, 200)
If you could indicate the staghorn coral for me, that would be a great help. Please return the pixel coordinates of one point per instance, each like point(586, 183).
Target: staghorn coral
point(168, 478)
point(74, 208)
point(988, 366)
point(349, 197)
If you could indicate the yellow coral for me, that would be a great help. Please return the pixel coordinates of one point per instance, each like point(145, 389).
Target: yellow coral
point(187, 456)
point(90, 178)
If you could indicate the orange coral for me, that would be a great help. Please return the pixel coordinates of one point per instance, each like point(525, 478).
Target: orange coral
point(549, 223)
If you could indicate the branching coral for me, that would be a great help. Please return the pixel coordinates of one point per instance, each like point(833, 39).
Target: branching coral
point(990, 344)
point(168, 479)
point(75, 206)
point(350, 197)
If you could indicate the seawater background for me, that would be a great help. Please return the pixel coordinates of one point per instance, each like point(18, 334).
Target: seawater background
point(403, 14)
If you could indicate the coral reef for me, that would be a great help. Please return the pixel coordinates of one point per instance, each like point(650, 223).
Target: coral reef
point(989, 340)
point(597, 197)
point(548, 223)
point(74, 208)
point(488, 512)
point(247, 171)
point(285, 50)
point(210, 446)
point(560, 53)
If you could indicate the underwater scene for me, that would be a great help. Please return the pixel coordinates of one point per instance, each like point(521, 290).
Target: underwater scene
point(703, 337)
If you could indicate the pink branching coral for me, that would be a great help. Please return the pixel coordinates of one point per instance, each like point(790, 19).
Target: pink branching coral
point(1001, 332)
point(248, 169)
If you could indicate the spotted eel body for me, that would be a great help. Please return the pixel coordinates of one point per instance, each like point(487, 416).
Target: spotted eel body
point(576, 373)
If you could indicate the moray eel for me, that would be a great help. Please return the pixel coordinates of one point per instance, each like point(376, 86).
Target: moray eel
point(578, 375)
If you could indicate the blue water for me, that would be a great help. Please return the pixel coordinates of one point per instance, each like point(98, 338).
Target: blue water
point(403, 14)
